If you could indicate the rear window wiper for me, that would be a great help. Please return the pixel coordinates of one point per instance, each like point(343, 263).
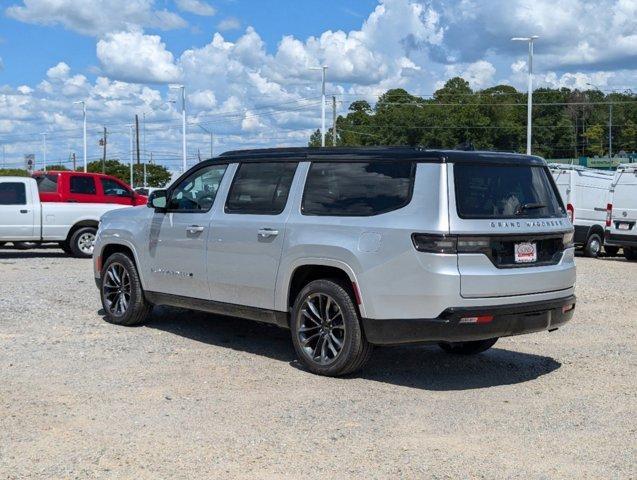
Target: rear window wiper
point(529, 206)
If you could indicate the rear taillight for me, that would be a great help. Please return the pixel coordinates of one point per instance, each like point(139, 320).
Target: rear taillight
point(570, 211)
point(450, 243)
point(435, 243)
point(609, 214)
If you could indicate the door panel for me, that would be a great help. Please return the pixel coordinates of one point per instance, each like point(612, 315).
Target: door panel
point(177, 254)
point(16, 215)
point(178, 238)
point(246, 239)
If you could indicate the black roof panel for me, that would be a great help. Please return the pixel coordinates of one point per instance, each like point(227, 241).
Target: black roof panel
point(379, 153)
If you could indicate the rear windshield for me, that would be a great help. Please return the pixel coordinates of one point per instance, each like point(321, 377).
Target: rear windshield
point(505, 191)
point(47, 183)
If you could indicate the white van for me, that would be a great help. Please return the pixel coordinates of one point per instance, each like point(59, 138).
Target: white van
point(621, 228)
point(585, 192)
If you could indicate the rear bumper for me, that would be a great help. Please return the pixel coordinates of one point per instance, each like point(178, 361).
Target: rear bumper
point(616, 240)
point(508, 320)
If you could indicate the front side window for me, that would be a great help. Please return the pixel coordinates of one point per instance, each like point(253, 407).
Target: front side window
point(198, 191)
point(261, 188)
point(505, 191)
point(357, 188)
point(47, 183)
point(13, 193)
point(83, 185)
point(113, 188)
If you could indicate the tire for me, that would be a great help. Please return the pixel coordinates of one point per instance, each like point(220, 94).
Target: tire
point(611, 251)
point(123, 301)
point(630, 254)
point(593, 245)
point(319, 352)
point(81, 243)
point(468, 348)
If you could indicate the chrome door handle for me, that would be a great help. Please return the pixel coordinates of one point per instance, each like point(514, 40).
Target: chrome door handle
point(267, 232)
point(195, 229)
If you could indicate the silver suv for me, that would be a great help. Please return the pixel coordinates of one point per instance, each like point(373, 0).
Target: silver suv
point(350, 248)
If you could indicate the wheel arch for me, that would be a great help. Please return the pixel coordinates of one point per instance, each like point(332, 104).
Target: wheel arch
point(124, 247)
point(598, 229)
point(301, 273)
point(81, 224)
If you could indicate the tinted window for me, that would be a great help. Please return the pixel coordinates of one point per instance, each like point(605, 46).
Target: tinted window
point(85, 185)
point(490, 191)
point(261, 188)
point(13, 193)
point(47, 183)
point(113, 188)
point(197, 192)
point(357, 189)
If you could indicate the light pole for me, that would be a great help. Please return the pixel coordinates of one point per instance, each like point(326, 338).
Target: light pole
point(44, 150)
point(211, 138)
point(610, 123)
point(529, 107)
point(184, 165)
point(83, 128)
point(130, 125)
point(323, 70)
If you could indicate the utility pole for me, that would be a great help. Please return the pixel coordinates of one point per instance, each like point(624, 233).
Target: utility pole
point(209, 132)
point(44, 150)
point(333, 120)
point(4, 163)
point(137, 136)
point(73, 157)
point(144, 136)
point(323, 70)
point(529, 107)
point(145, 177)
point(104, 152)
point(131, 154)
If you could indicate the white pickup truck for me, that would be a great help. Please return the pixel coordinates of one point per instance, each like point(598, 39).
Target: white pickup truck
point(23, 218)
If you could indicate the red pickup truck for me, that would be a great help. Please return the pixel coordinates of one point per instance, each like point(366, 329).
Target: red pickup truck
point(79, 187)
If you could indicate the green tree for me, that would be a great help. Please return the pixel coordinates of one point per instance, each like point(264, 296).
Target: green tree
point(157, 175)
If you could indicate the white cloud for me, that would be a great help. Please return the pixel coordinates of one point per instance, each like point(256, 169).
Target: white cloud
point(573, 33)
point(479, 74)
point(197, 7)
point(96, 17)
point(135, 57)
point(61, 70)
point(252, 94)
point(230, 23)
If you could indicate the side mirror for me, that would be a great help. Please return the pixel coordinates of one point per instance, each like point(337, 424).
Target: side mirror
point(158, 200)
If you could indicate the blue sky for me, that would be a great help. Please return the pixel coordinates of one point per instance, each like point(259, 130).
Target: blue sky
point(45, 45)
point(246, 63)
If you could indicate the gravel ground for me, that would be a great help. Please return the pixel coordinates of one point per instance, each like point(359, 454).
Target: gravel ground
point(192, 395)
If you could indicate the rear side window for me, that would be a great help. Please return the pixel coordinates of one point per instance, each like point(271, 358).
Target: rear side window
point(13, 193)
point(47, 183)
point(505, 191)
point(357, 189)
point(84, 185)
point(260, 188)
